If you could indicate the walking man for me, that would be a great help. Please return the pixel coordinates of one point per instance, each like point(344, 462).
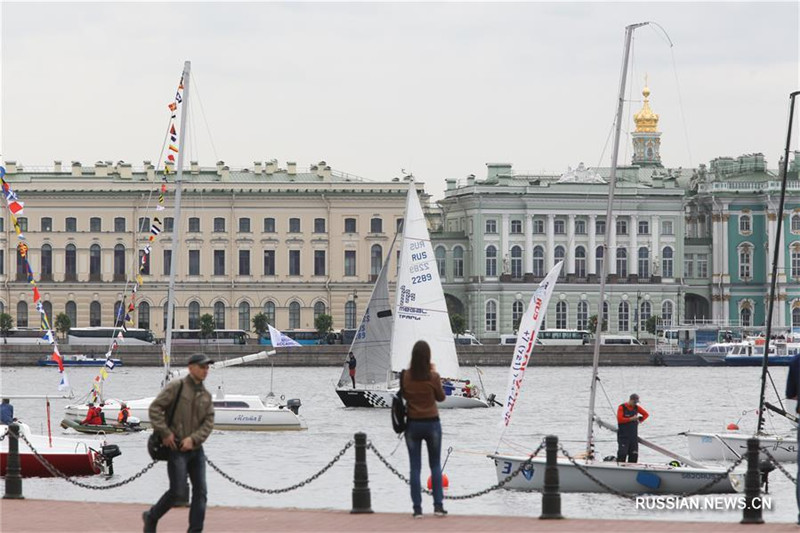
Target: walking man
point(791, 394)
point(629, 415)
point(191, 425)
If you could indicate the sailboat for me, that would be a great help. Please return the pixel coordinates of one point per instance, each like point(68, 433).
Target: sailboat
point(231, 411)
point(383, 341)
point(627, 477)
point(732, 445)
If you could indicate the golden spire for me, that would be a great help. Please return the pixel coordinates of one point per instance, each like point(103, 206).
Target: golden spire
point(645, 119)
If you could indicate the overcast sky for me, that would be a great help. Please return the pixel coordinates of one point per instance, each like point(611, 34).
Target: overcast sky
point(372, 88)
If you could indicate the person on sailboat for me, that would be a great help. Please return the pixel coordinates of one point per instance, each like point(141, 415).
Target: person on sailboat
point(792, 386)
point(422, 388)
point(351, 365)
point(93, 417)
point(124, 413)
point(629, 415)
point(192, 423)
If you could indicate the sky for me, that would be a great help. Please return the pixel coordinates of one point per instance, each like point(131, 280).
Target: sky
point(436, 89)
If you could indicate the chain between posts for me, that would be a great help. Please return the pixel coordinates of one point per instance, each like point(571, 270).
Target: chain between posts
point(778, 465)
point(524, 465)
point(286, 489)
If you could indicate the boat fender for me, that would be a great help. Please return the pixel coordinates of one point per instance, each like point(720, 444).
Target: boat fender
point(133, 421)
point(733, 427)
point(445, 482)
point(609, 458)
point(676, 464)
point(648, 479)
point(294, 404)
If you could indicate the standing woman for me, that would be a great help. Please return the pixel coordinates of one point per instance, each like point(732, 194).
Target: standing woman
point(422, 388)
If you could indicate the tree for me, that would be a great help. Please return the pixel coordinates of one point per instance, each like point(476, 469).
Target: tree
point(206, 326)
point(6, 323)
point(324, 324)
point(63, 324)
point(650, 324)
point(458, 324)
point(593, 324)
point(260, 325)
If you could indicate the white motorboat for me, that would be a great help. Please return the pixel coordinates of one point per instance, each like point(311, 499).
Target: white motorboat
point(729, 446)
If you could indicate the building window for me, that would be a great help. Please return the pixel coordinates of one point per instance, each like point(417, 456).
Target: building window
point(244, 262)
point(702, 265)
point(144, 224)
point(269, 310)
point(319, 225)
point(580, 227)
point(688, 265)
point(71, 310)
point(244, 316)
point(796, 262)
point(582, 318)
point(144, 263)
point(491, 226)
point(269, 225)
point(71, 225)
point(350, 315)
point(399, 225)
point(745, 262)
point(604, 322)
point(745, 225)
point(269, 262)
point(622, 226)
point(47, 224)
point(558, 255)
point(294, 262)
point(119, 225)
point(441, 260)
point(219, 225)
point(22, 314)
point(666, 228)
point(166, 311)
point(538, 261)
point(167, 262)
point(194, 262)
point(667, 262)
point(561, 315)
point(294, 225)
point(119, 262)
point(194, 315)
point(294, 315)
point(796, 317)
point(795, 226)
point(119, 314)
point(350, 225)
point(350, 263)
point(319, 262)
point(538, 226)
point(516, 262)
point(623, 316)
point(458, 262)
point(22, 222)
point(580, 261)
point(622, 262)
point(491, 261)
point(95, 224)
point(219, 262)
point(491, 315)
point(375, 260)
point(244, 225)
point(559, 226)
point(644, 262)
point(194, 225)
point(644, 315)
point(319, 309)
point(70, 263)
point(169, 225)
point(376, 225)
point(666, 312)
point(644, 227)
point(516, 314)
point(516, 227)
point(746, 317)
point(94, 262)
point(599, 227)
point(598, 260)
point(219, 315)
point(95, 315)
point(46, 269)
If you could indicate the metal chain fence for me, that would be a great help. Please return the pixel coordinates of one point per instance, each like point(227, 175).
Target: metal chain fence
point(525, 464)
point(779, 466)
point(286, 489)
point(3, 436)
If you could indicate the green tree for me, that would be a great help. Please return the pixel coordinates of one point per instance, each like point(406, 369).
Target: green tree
point(324, 324)
point(458, 324)
point(6, 323)
point(207, 326)
point(63, 324)
point(593, 324)
point(260, 325)
point(650, 324)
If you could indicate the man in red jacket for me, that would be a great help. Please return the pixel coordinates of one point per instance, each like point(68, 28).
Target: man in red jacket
point(629, 415)
point(92, 416)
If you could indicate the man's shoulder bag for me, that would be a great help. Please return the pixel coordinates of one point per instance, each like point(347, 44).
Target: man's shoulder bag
point(156, 448)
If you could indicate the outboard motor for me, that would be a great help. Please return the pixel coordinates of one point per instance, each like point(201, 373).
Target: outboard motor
point(765, 467)
point(134, 421)
point(294, 404)
point(109, 451)
point(492, 401)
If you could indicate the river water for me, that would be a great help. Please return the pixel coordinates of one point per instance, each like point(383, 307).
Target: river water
point(553, 400)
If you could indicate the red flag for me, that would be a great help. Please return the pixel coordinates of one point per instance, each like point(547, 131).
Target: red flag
point(57, 358)
point(36, 296)
point(171, 157)
point(172, 106)
point(172, 130)
point(15, 207)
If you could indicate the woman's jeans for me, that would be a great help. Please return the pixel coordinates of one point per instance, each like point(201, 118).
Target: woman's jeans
point(431, 432)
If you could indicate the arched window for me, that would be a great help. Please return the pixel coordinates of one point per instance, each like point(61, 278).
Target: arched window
point(119, 314)
point(796, 317)
point(458, 262)
point(795, 223)
point(319, 309)
point(796, 262)
point(516, 313)
point(244, 316)
point(47, 263)
point(48, 312)
point(646, 310)
point(580, 261)
point(119, 262)
point(94, 263)
point(165, 317)
point(746, 317)
point(745, 226)
point(376, 260)
point(219, 315)
point(22, 314)
point(70, 263)
point(666, 312)
point(294, 315)
point(561, 315)
point(95, 315)
point(144, 315)
point(538, 261)
point(491, 261)
point(269, 310)
point(667, 262)
point(350, 315)
point(644, 262)
point(745, 262)
point(598, 260)
point(516, 262)
point(623, 316)
point(441, 261)
point(582, 318)
point(194, 315)
point(622, 262)
point(491, 315)
point(558, 255)
point(71, 310)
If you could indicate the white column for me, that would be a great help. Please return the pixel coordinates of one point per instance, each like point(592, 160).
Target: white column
point(782, 277)
point(611, 249)
point(571, 245)
point(528, 243)
point(551, 228)
point(726, 275)
point(592, 256)
point(772, 226)
point(633, 254)
point(655, 253)
point(505, 249)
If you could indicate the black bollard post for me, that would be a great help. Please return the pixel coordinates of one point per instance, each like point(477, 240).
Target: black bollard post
point(551, 498)
point(362, 501)
point(13, 470)
point(752, 485)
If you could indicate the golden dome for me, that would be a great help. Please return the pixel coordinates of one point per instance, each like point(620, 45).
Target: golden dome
point(645, 119)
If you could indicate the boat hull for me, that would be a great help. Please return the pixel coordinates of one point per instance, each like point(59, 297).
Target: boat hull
point(383, 398)
point(98, 429)
point(729, 446)
point(71, 456)
point(632, 478)
point(79, 362)
point(755, 360)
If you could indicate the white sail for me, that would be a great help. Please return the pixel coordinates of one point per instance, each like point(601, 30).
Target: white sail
point(372, 344)
point(277, 338)
point(420, 308)
point(526, 338)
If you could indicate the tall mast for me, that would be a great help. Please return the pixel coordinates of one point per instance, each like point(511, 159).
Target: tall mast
point(176, 235)
point(775, 257)
point(612, 179)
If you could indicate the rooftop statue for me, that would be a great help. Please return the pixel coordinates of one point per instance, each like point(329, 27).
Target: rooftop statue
point(580, 175)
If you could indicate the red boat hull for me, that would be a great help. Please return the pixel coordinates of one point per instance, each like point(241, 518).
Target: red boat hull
point(71, 464)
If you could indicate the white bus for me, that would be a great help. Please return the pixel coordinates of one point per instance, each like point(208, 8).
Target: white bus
point(563, 337)
point(219, 336)
point(99, 335)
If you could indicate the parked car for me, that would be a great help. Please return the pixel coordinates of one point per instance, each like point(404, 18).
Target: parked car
point(619, 340)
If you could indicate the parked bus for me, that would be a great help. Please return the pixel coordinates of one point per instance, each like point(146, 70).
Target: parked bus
point(219, 336)
point(305, 337)
point(98, 335)
point(563, 337)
